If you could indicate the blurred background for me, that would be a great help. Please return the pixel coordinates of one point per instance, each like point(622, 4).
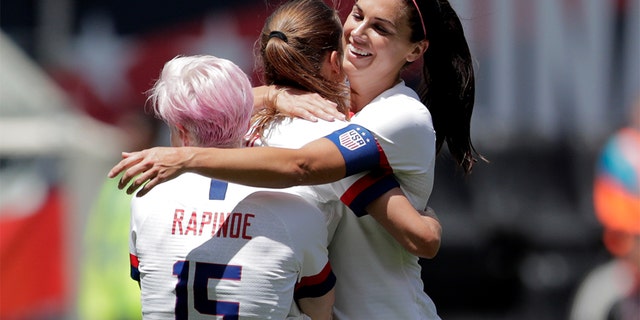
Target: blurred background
point(555, 78)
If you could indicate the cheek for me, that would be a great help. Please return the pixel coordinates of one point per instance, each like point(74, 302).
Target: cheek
point(394, 55)
point(348, 27)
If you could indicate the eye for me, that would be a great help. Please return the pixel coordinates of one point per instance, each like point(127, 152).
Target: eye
point(356, 13)
point(380, 29)
point(356, 16)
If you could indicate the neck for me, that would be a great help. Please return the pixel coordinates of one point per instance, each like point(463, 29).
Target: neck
point(364, 90)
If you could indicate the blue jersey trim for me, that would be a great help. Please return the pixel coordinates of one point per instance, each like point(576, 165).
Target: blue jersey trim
point(316, 290)
point(218, 190)
point(358, 147)
point(135, 273)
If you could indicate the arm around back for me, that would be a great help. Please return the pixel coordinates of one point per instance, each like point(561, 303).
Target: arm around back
point(318, 162)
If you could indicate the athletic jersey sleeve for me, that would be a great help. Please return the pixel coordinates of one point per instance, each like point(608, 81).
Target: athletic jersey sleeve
point(403, 130)
point(133, 231)
point(358, 191)
point(141, 207)
point(308, 232)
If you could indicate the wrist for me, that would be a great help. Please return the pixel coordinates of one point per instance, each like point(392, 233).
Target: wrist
point(189, 159)
point(272, 96)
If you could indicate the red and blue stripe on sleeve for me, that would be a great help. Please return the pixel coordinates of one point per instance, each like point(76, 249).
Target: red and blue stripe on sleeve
point(135, 273)
point(368, 188)
point(317, 285)
point(362, 152)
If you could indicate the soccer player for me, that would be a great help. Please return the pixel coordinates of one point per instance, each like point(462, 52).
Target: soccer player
point(204, 248)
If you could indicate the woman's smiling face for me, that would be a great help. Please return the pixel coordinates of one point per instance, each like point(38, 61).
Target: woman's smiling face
point(376, 35)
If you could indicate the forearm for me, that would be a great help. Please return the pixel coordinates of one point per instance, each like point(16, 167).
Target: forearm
point(417, 233)
point(320, 307)
point(259, 167)
point(317, 162)
point(296, 103)
point(268, 166)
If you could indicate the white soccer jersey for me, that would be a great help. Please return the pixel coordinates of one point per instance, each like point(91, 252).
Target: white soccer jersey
point(377, 277)
point(294, 133)
point(200, 250)
point(391, 140)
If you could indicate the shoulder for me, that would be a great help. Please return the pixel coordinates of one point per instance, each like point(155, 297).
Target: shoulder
point(401, 95)
point(398, 107)
point(186, 186)
point(294, 133)
point(275, 202)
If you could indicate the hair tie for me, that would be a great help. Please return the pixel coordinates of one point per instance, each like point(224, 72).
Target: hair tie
point(278, 34)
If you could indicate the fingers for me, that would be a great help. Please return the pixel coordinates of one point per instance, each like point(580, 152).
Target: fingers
point(140, 180)
point(323, 109)
point(128, 167)
point(329, 112)
point(305, 114)
point(121, 166)
point(147, 187)
point(313, 112)
point(309, 106)
point(130, 171)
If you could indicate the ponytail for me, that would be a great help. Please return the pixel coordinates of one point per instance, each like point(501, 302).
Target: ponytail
point(447, 86)
point(295, 40)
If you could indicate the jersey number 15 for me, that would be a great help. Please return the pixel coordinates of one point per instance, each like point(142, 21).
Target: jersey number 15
point(201, 303)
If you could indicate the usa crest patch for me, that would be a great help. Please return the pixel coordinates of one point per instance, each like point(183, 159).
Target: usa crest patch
point(351, 140)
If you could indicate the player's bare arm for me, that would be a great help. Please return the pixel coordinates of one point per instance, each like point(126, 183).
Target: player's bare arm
point(318, 162)
point(320, 308)
point(418, 232)
point(296, 103)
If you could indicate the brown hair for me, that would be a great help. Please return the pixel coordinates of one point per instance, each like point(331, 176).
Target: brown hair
point(294, 42)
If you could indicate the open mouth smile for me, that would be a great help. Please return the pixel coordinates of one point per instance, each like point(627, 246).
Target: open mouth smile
point(357, 51)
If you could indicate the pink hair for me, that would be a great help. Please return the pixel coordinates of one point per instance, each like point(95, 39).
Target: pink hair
point(209, 96)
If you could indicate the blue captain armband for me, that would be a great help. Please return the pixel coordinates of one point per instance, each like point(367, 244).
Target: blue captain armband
point(358, 147)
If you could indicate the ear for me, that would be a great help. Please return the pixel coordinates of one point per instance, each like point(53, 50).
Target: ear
point(335, 60)
point(418, 50)
point(182, 135)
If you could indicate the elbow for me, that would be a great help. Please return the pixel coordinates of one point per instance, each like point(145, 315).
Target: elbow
point(295, 173)
point(431, 239)
point(303, 172)
point(299, 175)
point(427, 244)
point(428, 248)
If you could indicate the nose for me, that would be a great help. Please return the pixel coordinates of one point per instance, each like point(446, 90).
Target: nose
point(358, 32)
